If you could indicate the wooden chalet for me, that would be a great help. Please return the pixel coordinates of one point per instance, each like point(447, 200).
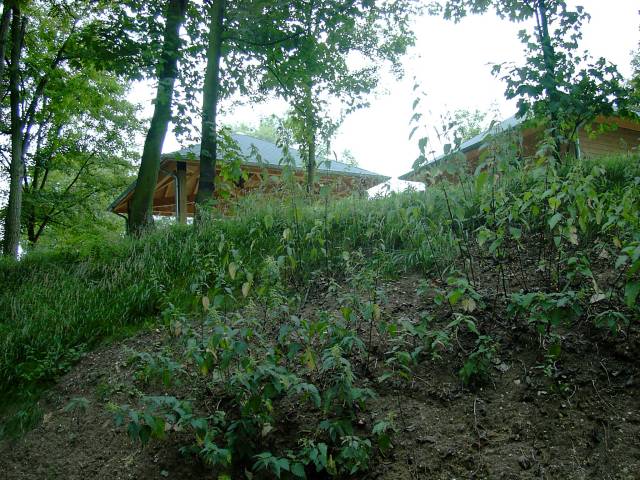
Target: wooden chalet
point(618, 135)
point(263, 164)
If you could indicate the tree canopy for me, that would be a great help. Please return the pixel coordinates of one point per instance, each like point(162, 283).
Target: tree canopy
point(68, 133)
point(337, 58)
point(70, 136)
point(558, 82)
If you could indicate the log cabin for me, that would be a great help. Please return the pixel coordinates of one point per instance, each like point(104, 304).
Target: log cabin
point(606, 136)
point(262, 165)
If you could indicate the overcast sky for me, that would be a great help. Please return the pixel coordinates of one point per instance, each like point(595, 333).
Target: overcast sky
point(452, 64)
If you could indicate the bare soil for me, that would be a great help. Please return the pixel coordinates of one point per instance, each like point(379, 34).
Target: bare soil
point(581, 423)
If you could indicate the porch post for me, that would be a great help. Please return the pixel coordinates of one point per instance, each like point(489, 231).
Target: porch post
point(181, 191)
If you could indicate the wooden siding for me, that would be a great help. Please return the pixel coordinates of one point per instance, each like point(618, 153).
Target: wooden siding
point(621, 140)
point(265, 180)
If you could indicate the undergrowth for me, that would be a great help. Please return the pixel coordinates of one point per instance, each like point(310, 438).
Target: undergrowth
point(231, 293)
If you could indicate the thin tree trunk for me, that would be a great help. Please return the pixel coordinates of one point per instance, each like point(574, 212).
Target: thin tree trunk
point(140, 208)
point(37, 184)
point(310, 119)
point(311, 127)
point(209, 144)
point(311, 152)
point(31, 207)
point(16, 169)
point(549, 80)
point(4, 34)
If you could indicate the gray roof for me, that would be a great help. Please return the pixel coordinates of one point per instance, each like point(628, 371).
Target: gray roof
point(268, 154)
point(272, 155)
point(473, 142)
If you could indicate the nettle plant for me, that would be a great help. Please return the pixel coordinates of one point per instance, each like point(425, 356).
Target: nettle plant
point(159, 415)
point(460, 295)
point(256, 378)
point(478, 361)
point(156, 367)
point(628, 263)
point(412, 342)
point(547, 312)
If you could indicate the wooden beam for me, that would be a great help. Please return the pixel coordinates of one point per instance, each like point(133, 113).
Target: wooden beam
point(181, 194)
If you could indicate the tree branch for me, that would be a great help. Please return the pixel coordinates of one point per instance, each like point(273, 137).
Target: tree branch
point(52, 212)
point(286, 89)
point(29, 116)
point(263, 44)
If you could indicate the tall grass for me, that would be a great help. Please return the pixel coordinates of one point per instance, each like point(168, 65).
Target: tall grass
point(56, 304)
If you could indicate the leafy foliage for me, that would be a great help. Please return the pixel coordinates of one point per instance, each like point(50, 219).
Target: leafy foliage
point(558, 84)
point(235, 319)
point(78, 128)
point(318, 74)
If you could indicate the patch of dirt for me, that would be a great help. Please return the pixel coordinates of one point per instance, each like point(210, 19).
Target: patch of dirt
point(86, 443)
point(582, 422)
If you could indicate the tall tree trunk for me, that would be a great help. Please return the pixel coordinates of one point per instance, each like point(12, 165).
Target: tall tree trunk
point(311, 162)
point(5, 20)
point(140, 208)
point(549, 78)
point(310, 114)
point(16, 168)
point(209, 143)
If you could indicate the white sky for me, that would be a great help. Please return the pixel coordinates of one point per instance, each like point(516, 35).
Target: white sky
point(451, 63)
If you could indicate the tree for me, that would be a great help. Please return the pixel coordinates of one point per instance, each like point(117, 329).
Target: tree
point(267, 128)
point(466, 124)
point(142, 200)
point(70, 122)
point(5, 20)
point(14, 207)
point(558, 83)
point(211, 94)
point(635, 78)
point(455, 128)
point(237, 32)
point(82, 154)
point(347, 157)
point(317, 70)
point(299, 49)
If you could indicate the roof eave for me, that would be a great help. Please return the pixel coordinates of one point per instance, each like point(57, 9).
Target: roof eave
point(170, 156)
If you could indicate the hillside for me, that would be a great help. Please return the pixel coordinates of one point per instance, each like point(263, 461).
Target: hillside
point(485, 328)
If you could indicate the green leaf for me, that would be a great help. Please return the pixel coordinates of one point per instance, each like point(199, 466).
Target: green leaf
point(413, 131)
point(268, 222)
point(157, 428)
point(422, 144)
point(631, 291)
point(233, 269)
point(621, 260)
point(455, 296)
point(481, 180)
point(283, 463)
point(297, 469)
point(553, 221)
point(515, 232)
point(554, 350)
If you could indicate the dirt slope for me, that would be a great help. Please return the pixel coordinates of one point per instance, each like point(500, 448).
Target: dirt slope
point(582, 424)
